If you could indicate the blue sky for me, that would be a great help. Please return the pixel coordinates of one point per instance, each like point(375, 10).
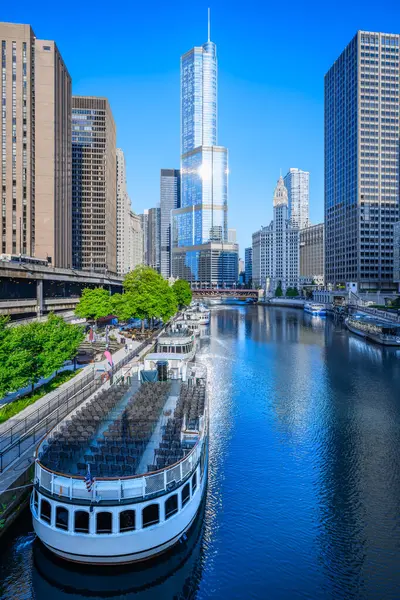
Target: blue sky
point(272, 60)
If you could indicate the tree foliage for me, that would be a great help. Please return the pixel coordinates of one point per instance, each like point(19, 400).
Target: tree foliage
point(147, 295)
point(292, 292)
point(94, 304)
point(183, 292)
point(36, 350)
point(278, 291)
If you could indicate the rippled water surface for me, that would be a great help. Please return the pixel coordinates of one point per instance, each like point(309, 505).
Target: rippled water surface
point(304, 486)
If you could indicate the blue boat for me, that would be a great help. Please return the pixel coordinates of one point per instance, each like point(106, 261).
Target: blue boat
point(317, 310)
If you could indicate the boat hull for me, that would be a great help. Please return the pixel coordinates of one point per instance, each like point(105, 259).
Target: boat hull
point(373, 338)
point(123, 548)
point(315, 313)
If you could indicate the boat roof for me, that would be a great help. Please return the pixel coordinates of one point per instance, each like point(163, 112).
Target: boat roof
point(129, 429)
point(375, 321)
point(165, 356)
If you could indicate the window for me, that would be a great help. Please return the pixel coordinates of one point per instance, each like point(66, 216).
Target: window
point(35, 501)
point(61, 517)
point(45, 511)
point(47, 48)
point(81, 521)
point(151, 515)
point(194, 481)
point(186, 494)
point(127, 520)
point(171, 506)
point(104, 522)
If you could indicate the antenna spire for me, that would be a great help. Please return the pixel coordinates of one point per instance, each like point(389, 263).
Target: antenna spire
point(209, 26)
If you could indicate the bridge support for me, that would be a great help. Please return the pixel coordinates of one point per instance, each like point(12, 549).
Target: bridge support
point(39, 298)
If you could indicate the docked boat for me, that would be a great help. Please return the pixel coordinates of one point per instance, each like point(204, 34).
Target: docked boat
point(199, 312)
point(377, 330)
point(317, 310)
point(176, 346)
point(121, 478)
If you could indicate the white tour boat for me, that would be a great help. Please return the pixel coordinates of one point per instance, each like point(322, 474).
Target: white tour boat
point(177, 346)
point(198, 311)
point(121, 478)
point(377, 330)
point(318, 310)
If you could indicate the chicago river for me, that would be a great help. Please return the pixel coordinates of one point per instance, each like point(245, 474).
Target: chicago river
point(304, 485)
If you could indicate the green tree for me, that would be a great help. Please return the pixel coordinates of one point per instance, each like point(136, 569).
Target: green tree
point(292, 292)
point(94, 304)
point(36, 350)
point(278, 291)
point(124, 306)
point(183, 292)
point(150, 295)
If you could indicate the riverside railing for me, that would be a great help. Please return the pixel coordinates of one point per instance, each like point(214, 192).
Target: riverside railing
point(27, 431)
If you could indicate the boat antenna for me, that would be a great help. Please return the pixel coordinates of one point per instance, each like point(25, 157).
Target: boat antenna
point(209, 26)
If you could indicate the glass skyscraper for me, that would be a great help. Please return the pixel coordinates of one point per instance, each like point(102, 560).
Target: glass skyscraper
point(170, 198)
point(297, 183)
point(200, 246)
point(362, 161)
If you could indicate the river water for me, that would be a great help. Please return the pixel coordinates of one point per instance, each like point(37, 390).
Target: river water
point(304, 486)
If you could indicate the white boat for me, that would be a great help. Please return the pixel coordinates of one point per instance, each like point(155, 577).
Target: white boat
point(121, 479)
point(199, 312)
point(315, 309)
point(376, 330)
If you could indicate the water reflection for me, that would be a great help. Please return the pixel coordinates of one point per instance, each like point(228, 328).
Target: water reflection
point(304, 486)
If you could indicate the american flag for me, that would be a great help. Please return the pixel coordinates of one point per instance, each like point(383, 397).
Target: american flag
point(89, 480)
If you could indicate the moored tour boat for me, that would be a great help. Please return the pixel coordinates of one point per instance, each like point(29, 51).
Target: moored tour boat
point(121, 479)
point(376, 330)
point(315, 309)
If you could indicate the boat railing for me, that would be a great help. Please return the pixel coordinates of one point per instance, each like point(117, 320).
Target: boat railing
point(138, 487)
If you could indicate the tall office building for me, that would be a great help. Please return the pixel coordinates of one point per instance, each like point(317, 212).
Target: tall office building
point(135, 243)
point(232, 236)
point(144, 220)
point(123, 216)
point(35, 149)
point(154, 238)
point(248, 265)
point(275, 256)
point(201, 252)
point(297, 183)
point(362, 161)
point(94, 189)
point(312, 254)
point(170, 197)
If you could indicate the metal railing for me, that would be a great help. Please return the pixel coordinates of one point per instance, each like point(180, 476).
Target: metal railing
point(26, 432)
point(122, 488)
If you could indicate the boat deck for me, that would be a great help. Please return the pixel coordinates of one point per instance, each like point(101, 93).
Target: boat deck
point(127, 430)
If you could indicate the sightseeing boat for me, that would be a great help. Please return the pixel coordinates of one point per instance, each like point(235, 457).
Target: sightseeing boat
point(317, 310)
point(121, 479)
point(199, 312)
point(176, 346)
point(376, 330)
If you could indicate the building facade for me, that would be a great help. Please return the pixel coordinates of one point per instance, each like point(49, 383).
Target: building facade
point(123, 216)
point(135, 241)
point(312, 254)
point(362, 162)
point(276, 248)
point(35, 149)
point(154, 238)
point(170, 197)
point(248, 265)
point(94, 185)
point(232, 236)
point(200, 227)
point(297, 183)
point(144, 220)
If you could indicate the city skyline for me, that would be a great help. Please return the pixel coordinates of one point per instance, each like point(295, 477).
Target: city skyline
point(275, 108)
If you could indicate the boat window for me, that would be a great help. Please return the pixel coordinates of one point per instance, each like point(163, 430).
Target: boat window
point(61, 517)
point(35, 500)
point(127, 520)
point(179, 349)
point(194, 481)
point(151, 515)
point(104, 522)
point(81, 521)
point(45, 511)
point(186, 494)
point(171, 506)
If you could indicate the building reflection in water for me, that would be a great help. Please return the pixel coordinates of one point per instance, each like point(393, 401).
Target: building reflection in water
point(359, 480)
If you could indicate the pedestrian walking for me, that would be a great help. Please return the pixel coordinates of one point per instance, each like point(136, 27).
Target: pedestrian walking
point(126, 348)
